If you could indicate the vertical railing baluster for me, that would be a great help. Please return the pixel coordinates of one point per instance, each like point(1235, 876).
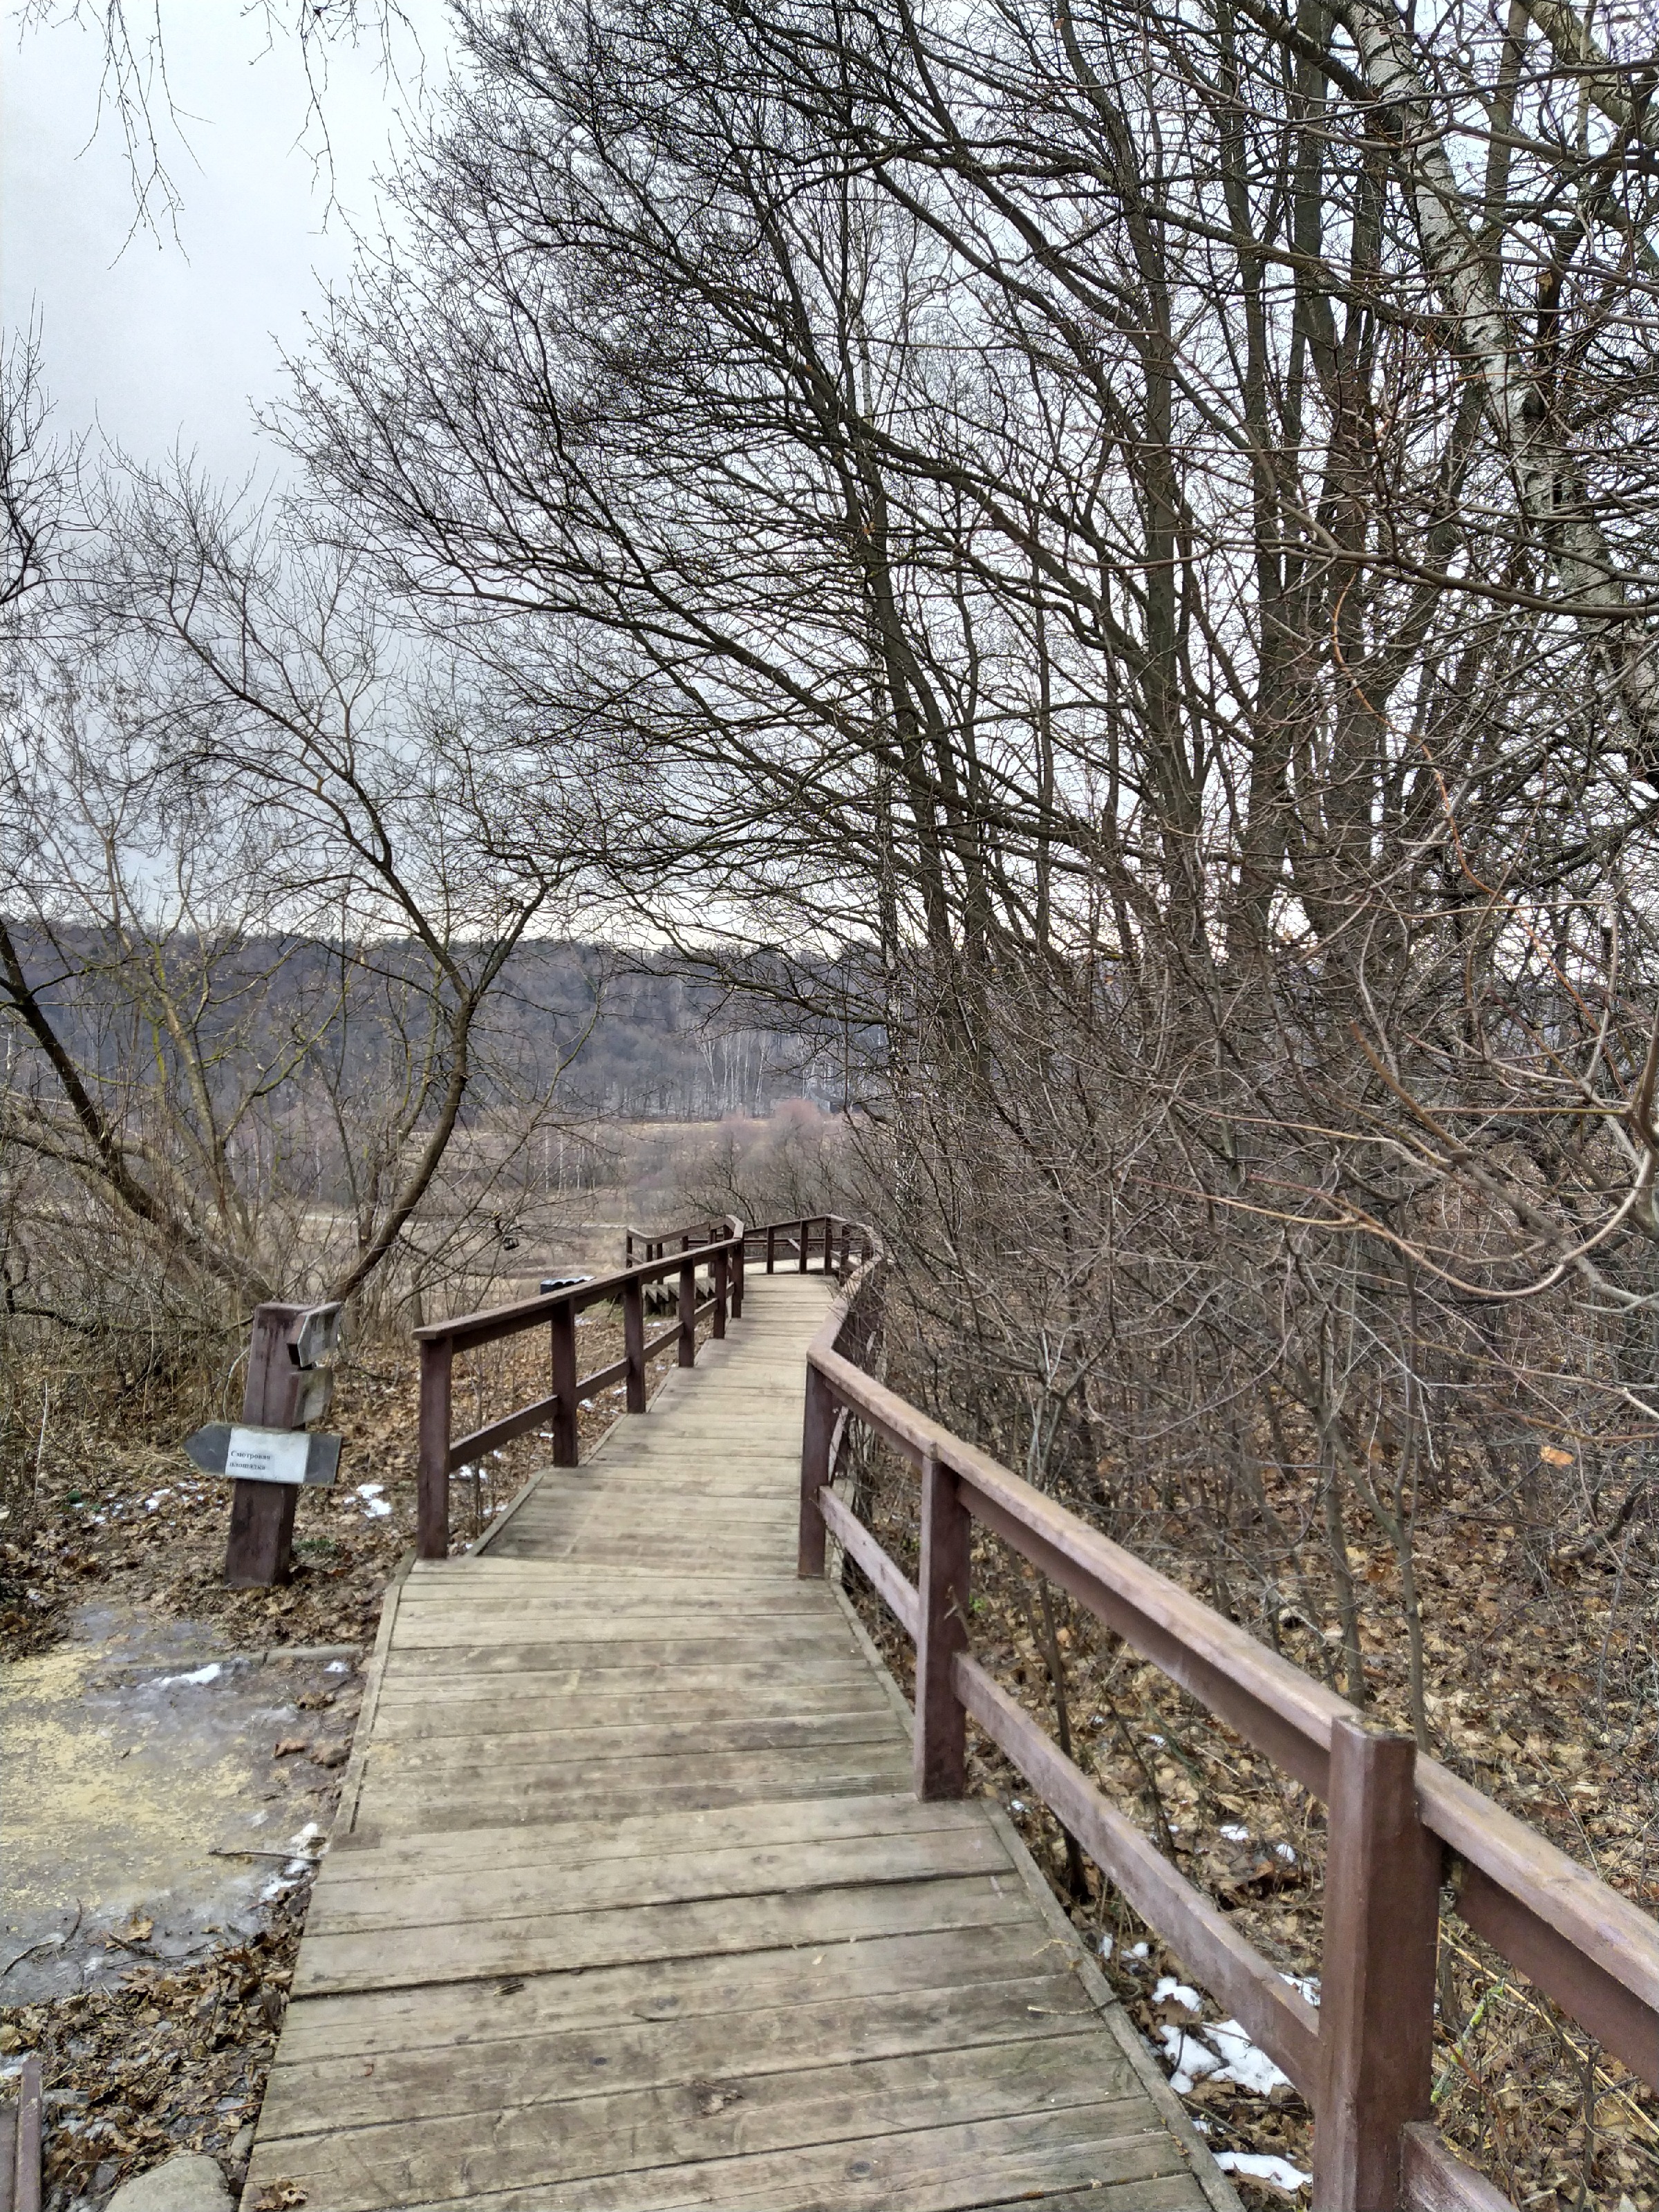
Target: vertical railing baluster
point(739, 1259)
point(771, 1247)
point(431, 1511)
point(940, 1746)
point(818, 1428)
point(634, 1344)
point(687, 1345)
point(562, 1349)
point(1376, 1993)
point(717, 1269)
point(801, 1224)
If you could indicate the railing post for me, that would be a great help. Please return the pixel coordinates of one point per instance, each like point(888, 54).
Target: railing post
point(739, 1257)
point(634, 1344)
point(846, 1240)
point(718, 1270)
point(437, 1368)
point(817, 1429)
point(688, 1350)
point(940, 1746)
point(259, 1549)
point(771, 1247)
point(1376, 1997)
point(561, 1331)
point(802, 1225)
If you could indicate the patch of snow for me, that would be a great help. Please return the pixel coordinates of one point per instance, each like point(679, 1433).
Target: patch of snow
point(1233, 1832)
point(1258, 2166)
point(378, 1509)
point(1138, 1951)
point(336, 1667)
point(1105, 1946)
point(309, 1834)
point(207, 1674)
point(375, 1489)
point(1306, 1985)
point(1016, 1804)
point(1188, 2059)
point(1284, 1852)
point(1251, 2067)
point(1167, 1986)
point(1157, 1740)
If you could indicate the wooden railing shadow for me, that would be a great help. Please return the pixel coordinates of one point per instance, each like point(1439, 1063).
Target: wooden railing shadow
point(1401, 1826)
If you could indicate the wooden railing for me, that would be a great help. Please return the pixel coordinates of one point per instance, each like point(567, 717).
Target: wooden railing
point(717, 1247)
point(1400, 1825)
point(837, 1244)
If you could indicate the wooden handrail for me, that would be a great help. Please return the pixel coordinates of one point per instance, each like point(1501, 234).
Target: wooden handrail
point(1399, 1822)
point(440, 1453)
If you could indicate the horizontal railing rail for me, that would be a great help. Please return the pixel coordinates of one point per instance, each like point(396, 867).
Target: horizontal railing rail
point(1400, 1824)
point(719, 1253)
point(838, 1245)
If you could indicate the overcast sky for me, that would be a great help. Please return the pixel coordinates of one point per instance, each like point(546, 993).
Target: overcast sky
point(165, 341)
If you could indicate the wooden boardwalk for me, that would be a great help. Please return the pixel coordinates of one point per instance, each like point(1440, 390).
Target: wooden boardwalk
point(629, 1903)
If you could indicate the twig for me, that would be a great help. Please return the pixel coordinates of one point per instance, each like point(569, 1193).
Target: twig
point(47, 1942)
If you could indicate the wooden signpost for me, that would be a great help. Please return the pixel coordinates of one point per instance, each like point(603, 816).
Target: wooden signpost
point(270, 1455)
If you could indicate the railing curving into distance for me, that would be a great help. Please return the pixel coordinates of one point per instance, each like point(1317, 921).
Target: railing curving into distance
point(717, 1247)
point(1399, 1825)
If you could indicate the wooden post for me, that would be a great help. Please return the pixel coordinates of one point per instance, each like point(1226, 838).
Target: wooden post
point(437, 1369)
point(739, 1257)
point(20, 2188)
point(717, 1269)
point(1377, 1998)
point(259, 1550)
point(939, 1746)
point(803, 1226)
point(562, 1363)
point(817, 1429)
point(634, 1344)
point(771, 1247)
point(845, 1241)
point(688, 1351)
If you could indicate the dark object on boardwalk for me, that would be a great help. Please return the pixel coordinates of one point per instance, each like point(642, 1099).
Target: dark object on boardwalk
point(263, 1455)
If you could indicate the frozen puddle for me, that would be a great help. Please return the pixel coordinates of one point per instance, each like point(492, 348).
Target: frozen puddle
point(133, 1758)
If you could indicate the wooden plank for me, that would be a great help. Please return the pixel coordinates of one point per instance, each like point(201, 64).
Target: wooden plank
point(704, 1709)
point(481, 1800)
point(943, 2168)
point(566, 1942)
point(305, 2096)
point(581, 1841)
point(698, 1642)
point(847, 1976)
point(352, 1896)
point(530, 2145)
point(520, 1740)
point(835, 1674)
point(1434, 2180)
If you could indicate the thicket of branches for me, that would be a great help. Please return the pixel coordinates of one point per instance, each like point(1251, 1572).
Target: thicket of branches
point(1121, 540)
point(1136, 528)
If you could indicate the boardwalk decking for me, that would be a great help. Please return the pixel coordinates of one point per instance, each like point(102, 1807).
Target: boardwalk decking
point(631, 1906)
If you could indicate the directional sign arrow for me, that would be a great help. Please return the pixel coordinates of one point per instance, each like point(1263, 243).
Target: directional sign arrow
point(251, 1454)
